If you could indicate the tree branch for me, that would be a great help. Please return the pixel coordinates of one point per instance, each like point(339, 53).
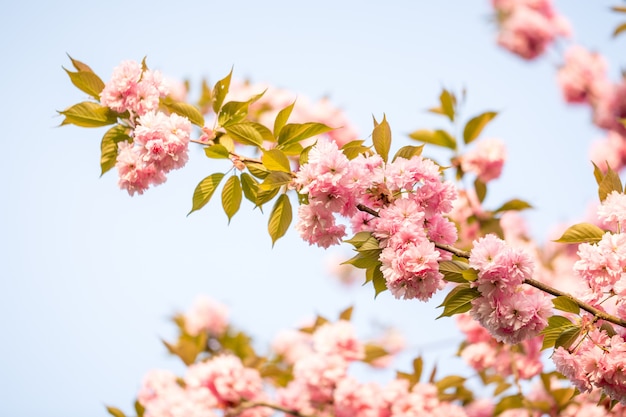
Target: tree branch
point(250, 404)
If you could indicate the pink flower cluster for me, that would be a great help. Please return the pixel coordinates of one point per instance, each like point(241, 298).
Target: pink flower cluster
point(528, 27)
point(133, 89)
point(596, 360)
point(485, 160)
point(583, 76)
point(510, 311)
point(411, 199)
point(483, 353)
point(206, 315)
point(220, 383)
point(160, 145)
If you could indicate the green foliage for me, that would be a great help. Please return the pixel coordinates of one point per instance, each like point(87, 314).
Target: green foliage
point(249, 133)
point(565, 304)
point(187, 110)
point(276, 160)
point(250, 187)
point(204, 191)
point(557, 325)
point(514, 204)
point(115, 412)
point(447, 105)
point(280, 218)
point(108, 146)
point(87, 82)
point(582, 233)
point(88, 114)
point(381, 136)
point(508, 403)
point(475, 126)
point(607, 183)
point(219, 92)
point(434, 137)
point(453, 271)
point(235, 111)
point(217, 151)
point(416, 375)
point(354, 148)
point(458, 300)
point(481, 189)
point(296, 132)
point(281, 119)
point(231, 196)
point(408, 152)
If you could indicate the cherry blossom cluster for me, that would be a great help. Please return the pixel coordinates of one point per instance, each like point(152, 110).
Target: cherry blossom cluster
point(411, 199)
point(511, 311)
point(483, 353)
point(159, 140)
point(596, 360)
point(133, 89)
point(160, 145)
point(485, 160)
point(528, 27)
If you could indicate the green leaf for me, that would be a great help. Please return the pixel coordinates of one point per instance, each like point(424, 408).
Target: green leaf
point(509, 403)
point(204, 191)
point(281, 119)
point(475, 126)
point(373, 352)
point(231, 196)
point(250, 187)
point(611, 182)
point(280, 218)
point(453, 271)
point(565, 304)
point(562, 396)
point(249, 133)
point(597, 173)
point(139, 409)
point(219, 92)
point(256, 169)
point(80, 66)
point(265, 195)
point(619, 9)
point(108, 146)
point(364, 259)
point(449, 381)
point(359, 239)
point(346, 314)
point(87, 82)
point(354, 148)
point(568, 337)
point(276, 160)
point(187, 110)
point(418, 367)
point(295, 132)
point(376, 277)
point(458, 300)
point(434, 137)
point(514, 204)
point(408, 152)
point(448, 103)
point(116, 412)
point(580, 233)
point(206, 96)
point(556, 326)
point(481, 189)
point(235, 111)
point(381, 136)
point(275, 180)
point(217, 151)
point(88, 114)
point(619, 29)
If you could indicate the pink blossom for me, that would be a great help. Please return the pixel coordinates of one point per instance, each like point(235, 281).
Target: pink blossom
point(485, 160)
point(292, 345)
point(320, 373)
point(610, 108)
point(526, 33)
point(583, 75)
point(610, 151)
point(612, 211)
point(133, 89)
point(352, 398)
point(316, 225)
point(340, 339)
point(206, 315)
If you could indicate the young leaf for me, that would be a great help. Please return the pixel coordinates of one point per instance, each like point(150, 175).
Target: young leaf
point(475, 126)
point(514, 204)
point(219, 92)
point(568, 337)
point(381, 136)
point(280, 218)
point(231, 196)
point(436, 137)
point(217, 151)
point(88, 114)
point(206, 96)
point(373, 352)
point(448, 103)
point(481, 189)
point(375, 275)
point(346, 314)
point(249, 133)
point(580, 233)
point(619, 29)
point(565, 304)
point(508, 403)
point(281, 119)
point(458, 300)
point(204, 191)
point(556, 326)
point(87, 82)
point(184, 109)
point(408, 152)
point(250, 187)
point(108, 146)
point(275, 180)
point(611, 182)
point(276, 160)
point(80, 66)
point(115, 412)
point(453, 271)
point(295, 132)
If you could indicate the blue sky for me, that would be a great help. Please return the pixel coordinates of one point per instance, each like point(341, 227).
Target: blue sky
point(90, 276)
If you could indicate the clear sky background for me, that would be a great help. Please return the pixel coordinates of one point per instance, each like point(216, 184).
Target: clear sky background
point(89, 275)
